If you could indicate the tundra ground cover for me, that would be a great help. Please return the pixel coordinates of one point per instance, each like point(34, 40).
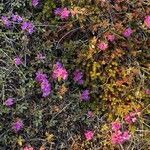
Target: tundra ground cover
point(74, 74)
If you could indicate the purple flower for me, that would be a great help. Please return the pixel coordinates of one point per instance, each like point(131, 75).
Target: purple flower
point(58, 11)
point(44, 83)
point(17, 126)
point(9, 102)
point(17, 61)
point(35, 3)
point(45, 88)
point(16, 18)
point(127, 32)
point(6, 21)
point(40, 77)
point(58, 64)
point(85, 95)
point(78, 76)
point(27, 26)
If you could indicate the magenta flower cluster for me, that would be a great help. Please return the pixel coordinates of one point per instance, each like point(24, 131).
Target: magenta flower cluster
point(16, 19)
point(102, 46)
point(89, 135)
point(111, 37)
point(59, 72)
point(147, 21)
point(118, 136)
point(127, 32)
point(44, 83)
point(131, 117)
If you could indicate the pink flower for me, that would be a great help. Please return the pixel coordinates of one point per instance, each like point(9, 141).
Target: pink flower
point(147, 91)
point(59, 72)
point(115, 126)
point(89, 135)
point(102, 46)
point(17, 61)
point(147, 21)
point(130, 118)
point(28, 148)
point(111, 37)
point(126, 136)
point(133, 118)
point(9, 102)
point(63, 13)
point(119, 137)
point(116, 137)
point(127, 32)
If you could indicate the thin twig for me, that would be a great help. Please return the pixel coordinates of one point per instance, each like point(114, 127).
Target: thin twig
point(66, 35)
